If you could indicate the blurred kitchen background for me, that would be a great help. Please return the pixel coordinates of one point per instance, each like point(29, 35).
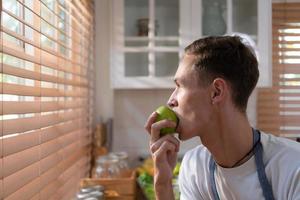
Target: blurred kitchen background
point(79, 78)
point(138, 49)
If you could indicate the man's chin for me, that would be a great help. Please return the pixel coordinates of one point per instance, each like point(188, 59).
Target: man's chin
point(182, 138)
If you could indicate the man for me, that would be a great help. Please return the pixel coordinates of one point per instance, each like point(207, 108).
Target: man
point(213, 83)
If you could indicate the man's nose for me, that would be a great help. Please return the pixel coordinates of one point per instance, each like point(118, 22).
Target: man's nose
point(172, 103)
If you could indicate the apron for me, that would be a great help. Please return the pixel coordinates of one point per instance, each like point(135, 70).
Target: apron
point(260, 168)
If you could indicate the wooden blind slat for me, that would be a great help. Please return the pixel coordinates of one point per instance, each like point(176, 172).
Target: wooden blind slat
point(285, 6)
point(15, 71)
point(15, 89)
point(68, 188)
point(47, 59)
point(27, 192)
point(50, 174)
point(288, 69)
point(21, 178)
point(51, 161)
point(284, 14)
point(284, 26)
point(1, 187)
point(49, 177)
point(279, 107)
point(47, 99)
point(18, 161)
point(50, 189)
point(38, 27)
point(9, 88)
point(52, 132)
point(20, 142)
point(20, 125)
point(19, 107)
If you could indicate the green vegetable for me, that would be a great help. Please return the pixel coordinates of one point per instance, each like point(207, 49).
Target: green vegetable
point(176, 169)
point(145, 179)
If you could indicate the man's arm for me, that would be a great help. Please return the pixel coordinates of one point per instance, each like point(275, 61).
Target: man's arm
point(164, 154)
point(164, 191)
point(164, 162)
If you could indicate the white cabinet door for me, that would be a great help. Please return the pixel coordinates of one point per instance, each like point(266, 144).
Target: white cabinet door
point(265, 43)
point(145, 43)
point(226, 17)
point(149, 36)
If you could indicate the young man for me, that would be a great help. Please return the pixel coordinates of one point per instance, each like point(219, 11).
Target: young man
point(213, 83)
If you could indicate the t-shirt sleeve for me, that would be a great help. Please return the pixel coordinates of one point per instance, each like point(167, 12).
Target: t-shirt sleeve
point(187, 185)
point(295, 186)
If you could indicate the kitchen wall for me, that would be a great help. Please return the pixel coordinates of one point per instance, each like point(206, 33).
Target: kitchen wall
point(104, 96)
point(130, 108)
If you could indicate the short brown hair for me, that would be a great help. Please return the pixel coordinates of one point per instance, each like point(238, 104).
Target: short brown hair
point(228, 58)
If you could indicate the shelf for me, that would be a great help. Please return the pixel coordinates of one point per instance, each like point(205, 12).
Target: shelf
point(137, 38)
point(170, 38)
point(135, 49)
point(166, 49)
point(148, 49)
point(161, 44)
point(144, 82)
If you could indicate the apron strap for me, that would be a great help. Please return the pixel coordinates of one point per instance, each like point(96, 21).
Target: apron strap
point(212, 167)
point(260, 167)
point(262, 177)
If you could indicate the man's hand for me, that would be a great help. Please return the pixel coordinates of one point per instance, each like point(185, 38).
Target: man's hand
point(164, 154)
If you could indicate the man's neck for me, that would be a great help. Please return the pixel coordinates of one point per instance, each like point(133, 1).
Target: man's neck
point(231, 141)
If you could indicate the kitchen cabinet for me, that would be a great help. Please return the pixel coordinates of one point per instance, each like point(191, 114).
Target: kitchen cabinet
point(149, 36)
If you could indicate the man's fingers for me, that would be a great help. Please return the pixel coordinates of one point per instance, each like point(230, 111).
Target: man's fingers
point(154, 146)
point(155, 129)
point(150, 121)
point(163, 149)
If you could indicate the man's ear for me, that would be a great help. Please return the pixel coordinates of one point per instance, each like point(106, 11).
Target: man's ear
point(219, 90)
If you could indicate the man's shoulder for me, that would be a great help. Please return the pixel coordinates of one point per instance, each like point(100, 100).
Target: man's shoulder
point(280, 150)
point(277, 144)
point(281, 156)
point(194, 165)
point(197, 155)
point(197, 151)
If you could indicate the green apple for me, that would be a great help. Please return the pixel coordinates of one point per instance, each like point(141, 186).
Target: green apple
point(165, 112)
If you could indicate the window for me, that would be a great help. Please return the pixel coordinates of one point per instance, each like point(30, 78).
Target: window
point(279, 106)
point(46, 77)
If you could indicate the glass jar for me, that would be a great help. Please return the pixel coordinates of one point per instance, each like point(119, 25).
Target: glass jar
point(88, 189)
point(123, 162)
point(95, 195)
point(107, 167)
point(123, 159)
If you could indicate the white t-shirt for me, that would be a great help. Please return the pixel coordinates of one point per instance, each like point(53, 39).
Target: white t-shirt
point(282, 165)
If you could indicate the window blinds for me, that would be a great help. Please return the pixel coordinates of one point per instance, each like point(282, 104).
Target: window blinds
point(46, 97)
point(279, 106)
